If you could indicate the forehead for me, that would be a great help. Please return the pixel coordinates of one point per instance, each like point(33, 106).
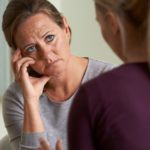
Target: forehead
point(36, 24)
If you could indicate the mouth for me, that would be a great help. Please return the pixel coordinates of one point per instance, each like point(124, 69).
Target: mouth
point(52, 63)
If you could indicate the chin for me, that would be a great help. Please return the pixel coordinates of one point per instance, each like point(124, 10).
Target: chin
point(53, 72)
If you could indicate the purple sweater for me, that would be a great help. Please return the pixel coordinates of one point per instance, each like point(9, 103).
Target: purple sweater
point(112, 111)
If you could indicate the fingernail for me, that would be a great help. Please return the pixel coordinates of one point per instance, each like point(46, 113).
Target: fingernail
point(60, 142)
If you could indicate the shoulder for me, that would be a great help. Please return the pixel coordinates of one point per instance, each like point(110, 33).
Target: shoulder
point(105, 78)
point(101, 90)
point(97, 67)
point(13, 93)
point(13, 88)
point(101, 65)
point(12, 103)
point(119, 88)
point(117, 80)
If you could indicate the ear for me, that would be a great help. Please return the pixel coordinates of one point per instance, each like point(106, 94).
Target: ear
point(66, 27)
point(112, 22)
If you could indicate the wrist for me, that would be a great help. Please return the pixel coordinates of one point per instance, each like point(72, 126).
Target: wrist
point(32, 118)
point(31, 110)
point(31, 104)
point(31, 101)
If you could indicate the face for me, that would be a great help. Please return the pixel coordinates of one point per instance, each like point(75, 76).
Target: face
point(44, 41)
point(110, 31)
point(102, 23)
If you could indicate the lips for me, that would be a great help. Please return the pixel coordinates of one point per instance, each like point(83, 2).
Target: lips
point(52, 63)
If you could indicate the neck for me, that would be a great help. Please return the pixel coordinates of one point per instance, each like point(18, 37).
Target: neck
point(137, 59)
point(133, 45)
point(64, 85)
point(66, 76)
point(135, 53)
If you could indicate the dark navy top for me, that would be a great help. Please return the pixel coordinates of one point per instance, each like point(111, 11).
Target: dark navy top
point(112, 111)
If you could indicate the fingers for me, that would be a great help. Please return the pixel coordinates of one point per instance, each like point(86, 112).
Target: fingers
point(20, 64)
point(44, 144)
point(23, 69)
point(39, 148)
point(59, 145)
point(45, 79)
point(16, 56)
point(23, 63)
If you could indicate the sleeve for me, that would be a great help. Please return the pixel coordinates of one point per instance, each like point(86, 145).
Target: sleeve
point(13, 114)
point(79, 124)
point(109, 67)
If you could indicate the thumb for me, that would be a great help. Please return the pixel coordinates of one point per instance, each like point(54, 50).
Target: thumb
point(45, 79)
point(59, 145)
point(44, 144)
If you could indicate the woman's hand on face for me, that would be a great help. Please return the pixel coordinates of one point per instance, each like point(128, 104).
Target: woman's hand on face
point(45, 146)
point(31, 87)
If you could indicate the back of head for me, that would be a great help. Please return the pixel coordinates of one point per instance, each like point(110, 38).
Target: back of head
point(135, 12)
point(18, 11)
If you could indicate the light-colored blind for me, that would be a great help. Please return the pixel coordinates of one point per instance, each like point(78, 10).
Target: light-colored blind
point(5, 71)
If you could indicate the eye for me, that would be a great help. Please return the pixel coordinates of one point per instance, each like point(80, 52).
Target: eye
point(50, 38)
point(31, 49)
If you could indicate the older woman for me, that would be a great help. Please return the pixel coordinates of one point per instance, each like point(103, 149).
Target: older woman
point(47, 75)
point(112, 111)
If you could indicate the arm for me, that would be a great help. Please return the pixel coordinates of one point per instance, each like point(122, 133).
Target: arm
point(12, 106)
point(13, 114)
point(79, 124)
point(31, 89)
point(32, 120)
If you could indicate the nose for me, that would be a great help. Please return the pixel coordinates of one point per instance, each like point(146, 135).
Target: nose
point(46, 53)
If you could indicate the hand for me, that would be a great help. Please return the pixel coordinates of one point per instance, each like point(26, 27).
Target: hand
point(31, 87)
point(45, 146)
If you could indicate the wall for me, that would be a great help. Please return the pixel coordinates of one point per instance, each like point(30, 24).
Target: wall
point(57, 3)
point(87, 40)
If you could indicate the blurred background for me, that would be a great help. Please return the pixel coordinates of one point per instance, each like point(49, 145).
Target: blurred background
point(86, 42)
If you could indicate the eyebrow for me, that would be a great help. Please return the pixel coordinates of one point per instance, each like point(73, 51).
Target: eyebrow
point(41, 38)
point(46, 33)
point(28, 45)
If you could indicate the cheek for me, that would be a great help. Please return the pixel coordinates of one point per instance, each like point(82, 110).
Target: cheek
point(31, 55)
point(62, 47)
point(102, 28)
point(104, 33)
point(37, 64)
point(37, 67)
